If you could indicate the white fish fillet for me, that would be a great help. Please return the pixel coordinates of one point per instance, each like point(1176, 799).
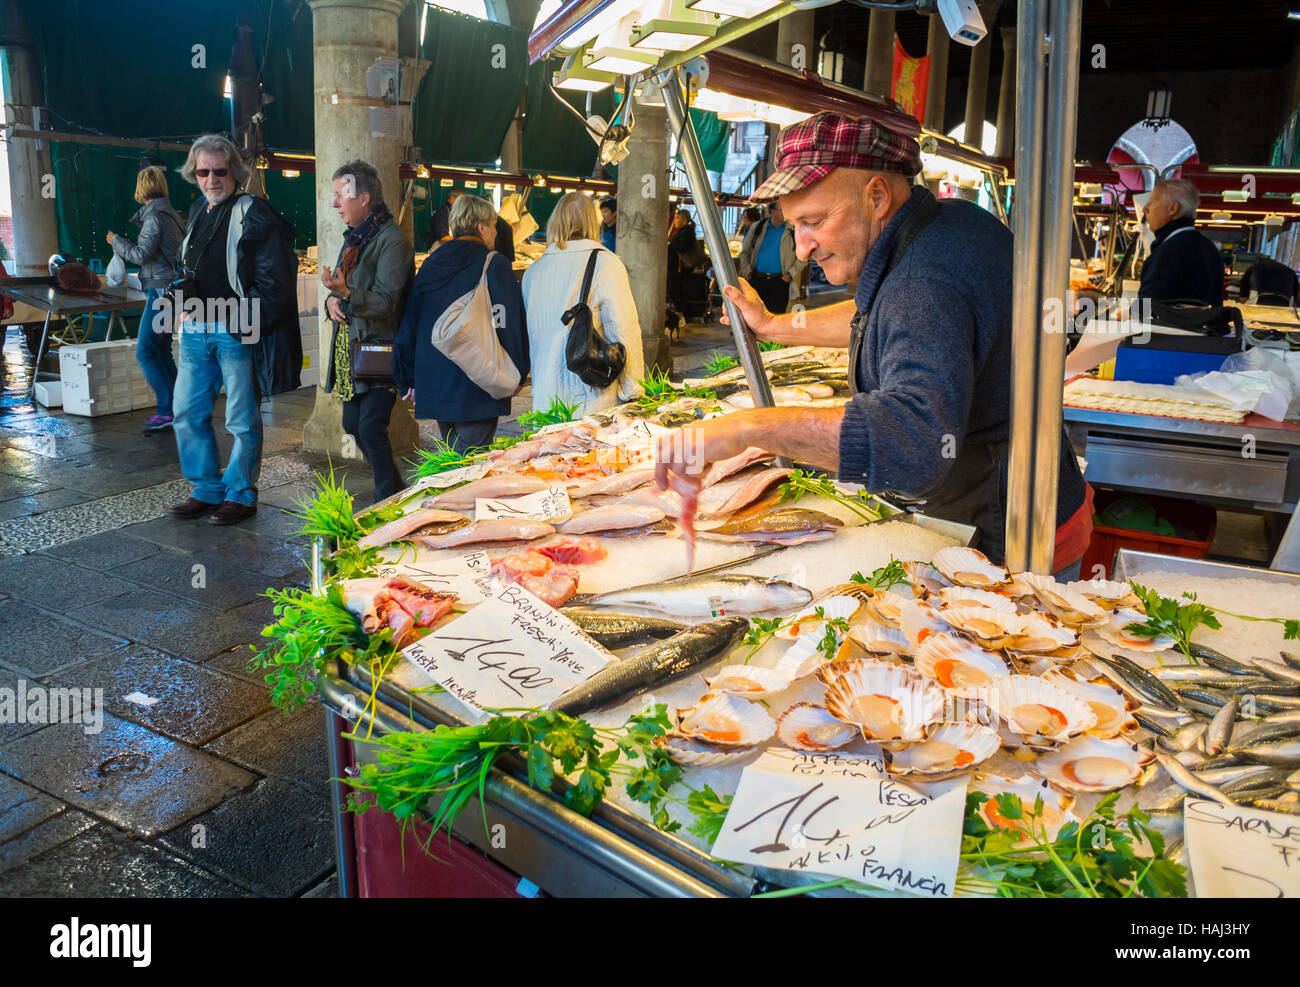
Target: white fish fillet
point(510, 485)
point(611, 518)
point(498, 529)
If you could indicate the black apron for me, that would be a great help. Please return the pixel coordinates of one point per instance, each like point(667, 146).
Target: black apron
point(974, 492)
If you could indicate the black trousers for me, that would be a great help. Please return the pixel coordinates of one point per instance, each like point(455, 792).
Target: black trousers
point(365, 418)
point(464, 436)
point(773, 289)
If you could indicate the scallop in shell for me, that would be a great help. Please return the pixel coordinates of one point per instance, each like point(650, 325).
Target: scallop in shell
point(802, 658)
point(1106, 702)
point(749, 681)
point(969, 567)
point(1091, 764)
point(959, 664)
point(726, 720)
point(918, 621)
point(809, 727)
point(925, 580)
point(1038, 712)
point(964, 596)
point(989, 627)
point(1071, 606)
point(886, 702)
point(1113, 631)
point(696, 754)
point(1054, 814)
point(1041, 634)
point(872, 640)
point(949, 749)
point(886, 607)
point(1108, 594)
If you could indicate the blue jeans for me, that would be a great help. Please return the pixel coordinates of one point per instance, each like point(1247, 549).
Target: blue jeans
point(153, 351)
point(210, 359)
point(1070, 573)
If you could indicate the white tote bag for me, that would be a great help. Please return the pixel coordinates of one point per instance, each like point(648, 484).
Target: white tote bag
point(465, 335)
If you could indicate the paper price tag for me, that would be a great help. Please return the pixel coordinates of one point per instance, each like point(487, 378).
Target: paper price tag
point(1235, 852)
point(553, 502)
point(640, 432)
point(842, 815)
point(462, 474)
point(511, 650)
point(469, 576)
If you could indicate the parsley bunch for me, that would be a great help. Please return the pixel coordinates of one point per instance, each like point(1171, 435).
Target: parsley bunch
point(801, 483)
point(1166, 616)
point(885, 578)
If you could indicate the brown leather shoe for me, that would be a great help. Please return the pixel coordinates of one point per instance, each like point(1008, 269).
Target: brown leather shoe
point(232, 512)
point(191, 509)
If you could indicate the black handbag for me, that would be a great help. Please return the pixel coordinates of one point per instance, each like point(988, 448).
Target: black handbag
point(372, 361)
point(586, 353)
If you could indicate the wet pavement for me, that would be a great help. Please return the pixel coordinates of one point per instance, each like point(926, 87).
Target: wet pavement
point(186, 781)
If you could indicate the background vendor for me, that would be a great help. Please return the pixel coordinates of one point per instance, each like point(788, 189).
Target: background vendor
point(1184, 265)
point(929, 333)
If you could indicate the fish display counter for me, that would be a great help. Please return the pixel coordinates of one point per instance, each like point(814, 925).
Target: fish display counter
point(547, 676)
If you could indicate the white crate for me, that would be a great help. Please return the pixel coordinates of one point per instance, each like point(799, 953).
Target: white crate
point(49, 393)
point(311, 378)
point(308, 294)
point(101, 378)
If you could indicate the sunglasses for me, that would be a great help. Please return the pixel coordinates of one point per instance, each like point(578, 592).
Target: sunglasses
point(205, 172)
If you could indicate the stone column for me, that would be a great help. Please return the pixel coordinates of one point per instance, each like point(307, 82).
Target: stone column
point(1006, 146)
point(31, 175)
point(880, 54)
point(977, 92)
point(796, 41)
point(642, 241)
point(348, 35)
point(936, 93)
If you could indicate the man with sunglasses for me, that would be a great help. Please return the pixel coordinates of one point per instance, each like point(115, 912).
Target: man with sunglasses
point(928, 332)
point(236, 310)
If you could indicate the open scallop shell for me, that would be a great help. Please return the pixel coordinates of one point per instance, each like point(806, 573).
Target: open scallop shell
point(1071, 606)
point(886, 702)
point(696, 754)
point(1106, 702)
point(858, 591)
point(964, 596)
point(1106, 593)
point(959, 664)
point(802, 658)
point(749, 681)
point(726, 721)
point(918, 621)
point(969, 567)
point(1091, 764)
point(806, 623)
point(1054, 814)
point(925, 580)
point(989, 628)
point(809, 727)
point(1039, 713)
point(1042, 634)
point(1113, 631)
point(949, 749)
point(1017, 589)
point(872, 640)
point(886, 607)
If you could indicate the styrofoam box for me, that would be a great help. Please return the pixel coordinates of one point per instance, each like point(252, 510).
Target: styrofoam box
point(102, 378)
point(308, 294)
point(50, 393)
point(311, 378)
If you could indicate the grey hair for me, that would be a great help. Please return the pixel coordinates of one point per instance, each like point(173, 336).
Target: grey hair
point(468, 213)
point(364, 179)
point(217, 144)
point(1184, 193)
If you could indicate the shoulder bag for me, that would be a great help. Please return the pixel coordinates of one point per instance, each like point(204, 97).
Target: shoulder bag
point(466, 334)
point(586, 353)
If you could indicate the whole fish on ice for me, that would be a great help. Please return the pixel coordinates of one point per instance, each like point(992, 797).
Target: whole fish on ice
point(701, 596)
point(612, 518)
point(427, 521)
point(496, 529)
point(507, 485)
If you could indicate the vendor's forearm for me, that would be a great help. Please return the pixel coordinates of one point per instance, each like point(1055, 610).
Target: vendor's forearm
point(806, 435)
point(824, 326)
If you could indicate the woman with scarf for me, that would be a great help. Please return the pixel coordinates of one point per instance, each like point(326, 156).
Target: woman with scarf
point(367, 294)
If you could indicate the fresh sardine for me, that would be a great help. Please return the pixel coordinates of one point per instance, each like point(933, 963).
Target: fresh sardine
point(438, 522)
point(1138, 682)
point(1184, 778)
point(1289, 659)
point(611, 518)
point(1222, 662)
point(507, 485)
point(703, 596)
point(1235, 775)
point(1277, 805)
point(1219, 732)
point(1278, 671)
point(622, 630)
point(1185, 738)
point(654, 666)
point(496, 529)
point(1284, 753)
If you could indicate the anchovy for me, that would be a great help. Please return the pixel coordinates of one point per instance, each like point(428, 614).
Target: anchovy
point(1293, 781)
point(1290, 659)
point(1276, 731)
point(1200, 701)
point(653, 667)
point(1269, 702)
point(1277, 805)
point(1219, 660)
point(1291, 716)
point(1183, 777)
point(1236, 774)
point(1185, 738)
point(1219, 732)
point(1284, 753)
point(1214, 679)
point(1138, 682)
point(1278, 671)
point(701, 596)
point(1154, 726)
point(1189, 673)
point(622, 630)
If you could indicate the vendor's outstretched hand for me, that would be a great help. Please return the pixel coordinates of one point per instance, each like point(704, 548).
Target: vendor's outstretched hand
point(757, 318)
point(683, 456)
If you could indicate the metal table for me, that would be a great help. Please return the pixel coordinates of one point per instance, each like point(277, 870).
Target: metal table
point(44, 295)
point(1255, 465)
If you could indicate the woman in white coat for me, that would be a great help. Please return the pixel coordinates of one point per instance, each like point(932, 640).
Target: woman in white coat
point(551, 287)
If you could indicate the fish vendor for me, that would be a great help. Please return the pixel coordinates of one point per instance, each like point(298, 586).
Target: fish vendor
point(928, 332)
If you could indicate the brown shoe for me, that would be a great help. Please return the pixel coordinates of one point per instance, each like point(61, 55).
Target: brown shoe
point(232, 512)
point(191, 509)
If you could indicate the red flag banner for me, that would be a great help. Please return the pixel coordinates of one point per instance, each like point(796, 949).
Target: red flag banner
point(911, 80)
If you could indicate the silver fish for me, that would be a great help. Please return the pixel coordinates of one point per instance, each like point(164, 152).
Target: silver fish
point(618, 483)
point(1291, 716)
point(496, 529)
point(506, 485)
point(1186, 779)
point(1236, 774)
point(654, 666)
point(1289, 659)
point(1277, 805)
point(1284, 753)
point(1138, 682)
point(702, 596)
point(1276, 670)
point(1211, 677)
point(622, 630)
point(1220, 661)
point(1219, 732)
point(1293, 781)
point(1264, 732)
point(612, 518)
point(1185, 738)
point(440, 521)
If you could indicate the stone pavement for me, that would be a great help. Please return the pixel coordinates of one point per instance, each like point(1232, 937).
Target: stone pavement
point(192, 784)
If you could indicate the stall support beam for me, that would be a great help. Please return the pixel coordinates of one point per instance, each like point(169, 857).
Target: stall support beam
point(706, 212)
point(936, 92)
point(1047, 80)
point(880, 54)
point(1006, 123)
point(977, 92)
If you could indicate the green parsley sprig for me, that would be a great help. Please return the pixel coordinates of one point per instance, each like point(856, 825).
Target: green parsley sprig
point(1166, 616)
point(800, 483)
point(885, 578)
point(720, 363)
point(558, 412)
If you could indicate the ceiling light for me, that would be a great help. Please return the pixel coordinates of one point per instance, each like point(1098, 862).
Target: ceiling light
point(585, 80)
point(670, 26)
point(1235, 195)
point(612, 52)
point(1221, 217)
point(600, 22)
point(733, 8)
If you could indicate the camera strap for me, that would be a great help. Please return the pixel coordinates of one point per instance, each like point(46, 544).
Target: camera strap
point(196, 250)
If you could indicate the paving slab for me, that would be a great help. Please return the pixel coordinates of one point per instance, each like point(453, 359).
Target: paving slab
point(23, 807)
point(276, 840)
point(11, 683)
point(269, 556)
point(56, 584)
point(194, 703)
point(54, 831)
point(138, 780)
point(199, 578)
point(170, 624)
point(60, 447)
point(35, 642)
point(104, 552)
point(328, 888)
point(47, 500)
point(234, 661)
point(50, 423)
point(104, 864)
point(21, 486)
point(285, 745)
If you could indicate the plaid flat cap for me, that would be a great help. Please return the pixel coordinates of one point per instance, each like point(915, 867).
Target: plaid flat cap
point(809, 151)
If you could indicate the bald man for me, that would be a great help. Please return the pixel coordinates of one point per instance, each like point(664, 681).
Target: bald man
point(1184, 265)
point(929, 337)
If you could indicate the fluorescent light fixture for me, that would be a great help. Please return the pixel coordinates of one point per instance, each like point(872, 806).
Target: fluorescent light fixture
point(1221, 217)
point(576, 79)
point(445, 183)
point(1274, 221)
point(598, 24)
point(1235, 195)
point(733, 8)
point(612, 52)
point(1295, 198)
point(290, 174)
point(669, 25)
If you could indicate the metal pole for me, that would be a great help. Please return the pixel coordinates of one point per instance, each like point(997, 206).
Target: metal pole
point(1057, 202)
point(724, 268)
point(1026, 293)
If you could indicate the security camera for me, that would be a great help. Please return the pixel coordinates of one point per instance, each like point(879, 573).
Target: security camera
point(963, 21)
point(611, 141)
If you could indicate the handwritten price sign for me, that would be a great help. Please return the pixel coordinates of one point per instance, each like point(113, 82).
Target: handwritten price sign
point(449, 478)
point(1236, 852)
point(553, 502)
point(842, 815)
point(469, 577)
point(511, 650)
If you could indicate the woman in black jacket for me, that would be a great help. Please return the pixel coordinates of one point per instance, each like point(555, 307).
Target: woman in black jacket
point(367, 294)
